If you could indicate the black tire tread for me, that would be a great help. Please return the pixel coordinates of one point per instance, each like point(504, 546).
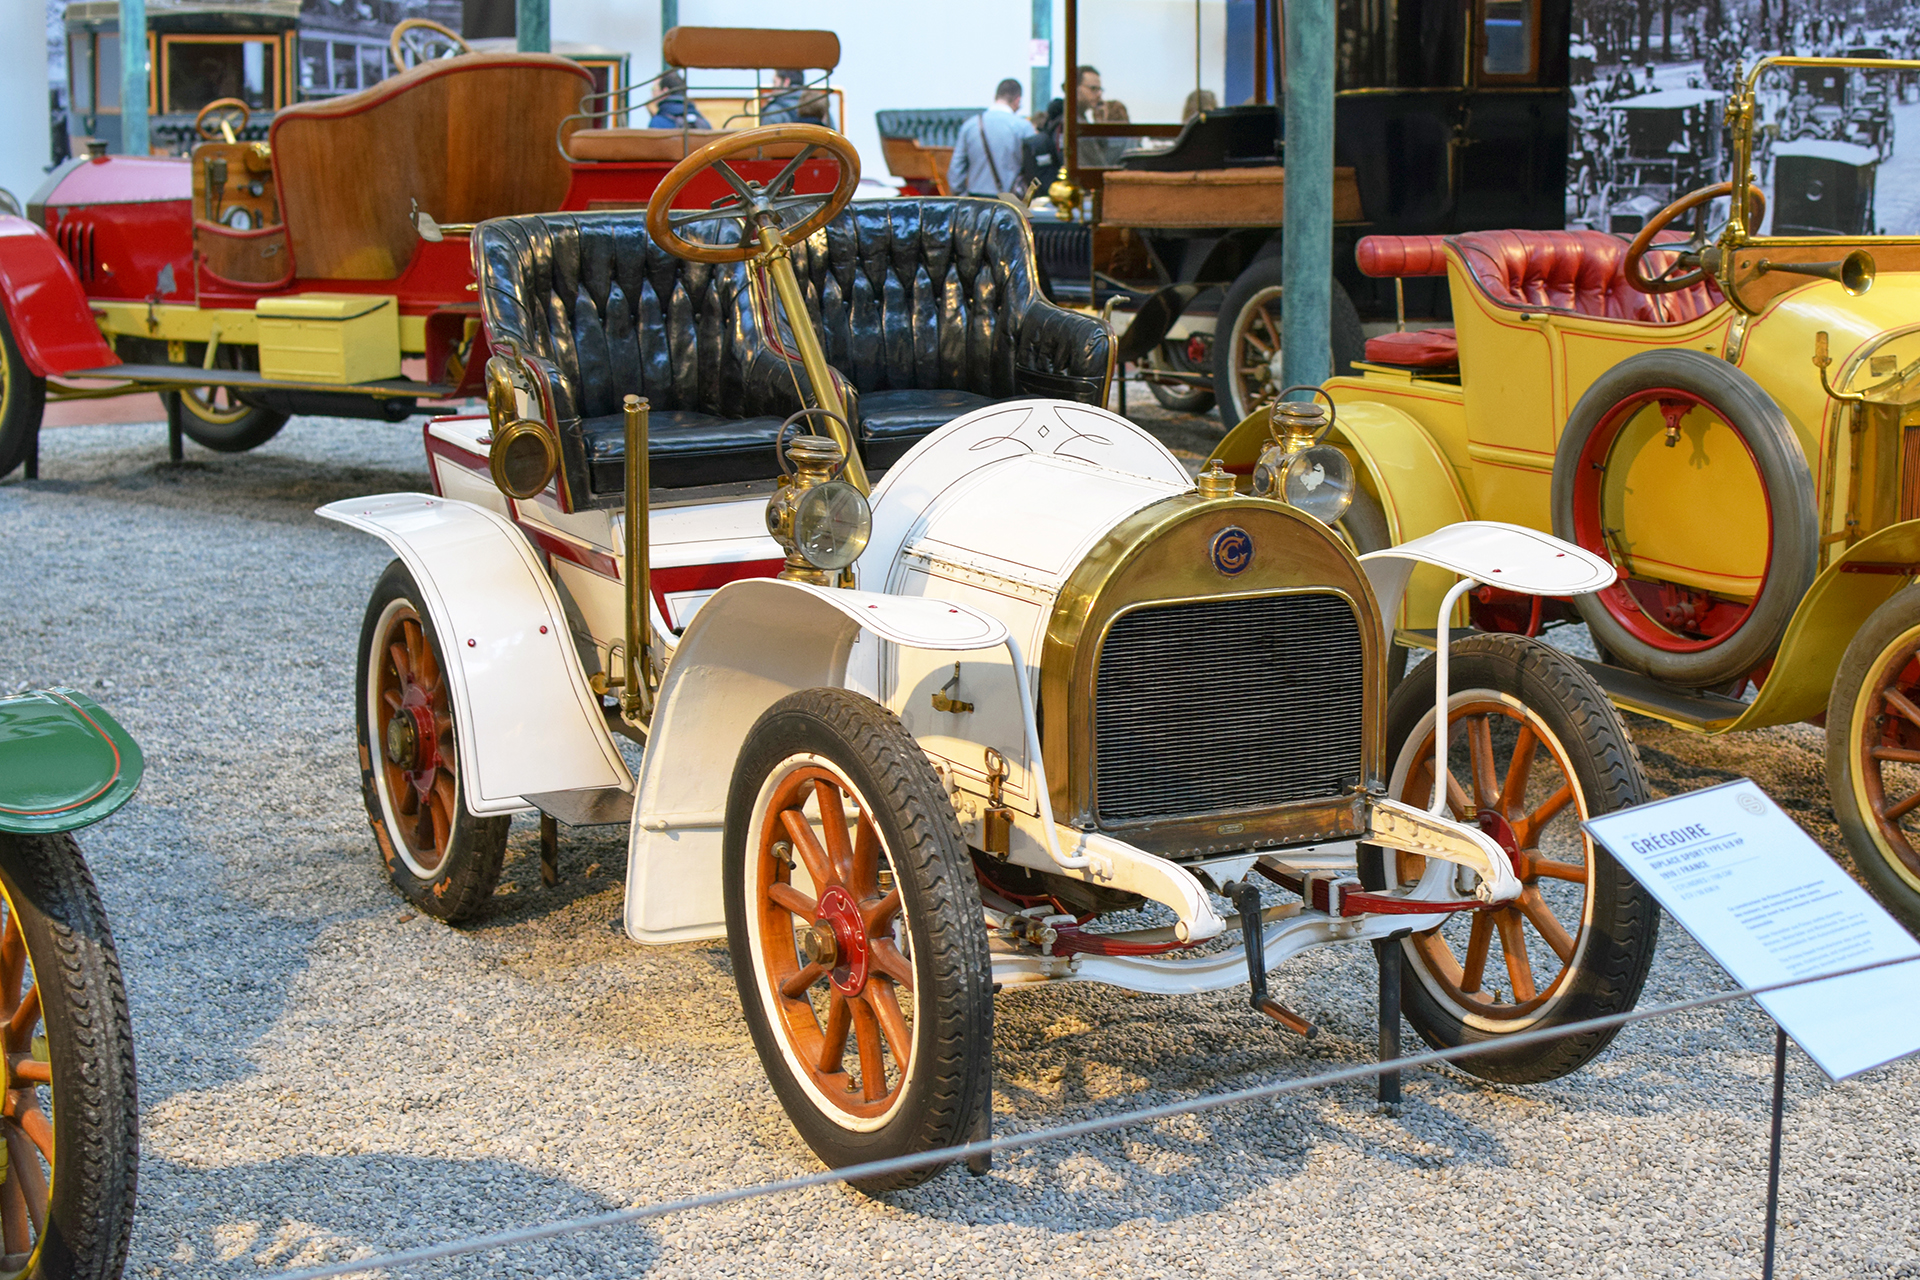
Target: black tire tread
point(249, 431)
point(90, 1033)
point(1619, 951)
point(20, 419)
point(949, 938)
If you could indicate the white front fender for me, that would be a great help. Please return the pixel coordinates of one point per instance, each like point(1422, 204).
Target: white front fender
point(526, 721)
point(753, 643)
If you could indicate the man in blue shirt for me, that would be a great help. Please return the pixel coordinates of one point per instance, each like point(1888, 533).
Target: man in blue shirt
point(987, 154)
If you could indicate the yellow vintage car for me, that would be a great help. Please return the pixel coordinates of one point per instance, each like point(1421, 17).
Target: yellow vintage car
point(1732, 419)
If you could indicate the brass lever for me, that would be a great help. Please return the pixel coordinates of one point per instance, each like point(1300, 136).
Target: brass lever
point(941, 702)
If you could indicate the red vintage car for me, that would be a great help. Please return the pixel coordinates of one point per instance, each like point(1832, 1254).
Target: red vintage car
point(308, 274)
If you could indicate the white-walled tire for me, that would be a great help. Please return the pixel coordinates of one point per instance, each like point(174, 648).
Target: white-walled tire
point(856, 934)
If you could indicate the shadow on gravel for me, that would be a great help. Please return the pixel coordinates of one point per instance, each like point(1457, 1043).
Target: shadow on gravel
point(256, 486)
point(313, 1210)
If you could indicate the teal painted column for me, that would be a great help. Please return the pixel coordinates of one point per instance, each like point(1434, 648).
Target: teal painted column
point(669, 16)
point(133, 77)
point(1307, 246)
point(1043, 90)
point(531, 26)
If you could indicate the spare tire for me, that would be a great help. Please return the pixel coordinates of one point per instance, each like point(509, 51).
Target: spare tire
point(1700, 602)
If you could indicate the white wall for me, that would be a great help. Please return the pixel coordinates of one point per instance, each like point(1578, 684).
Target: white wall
point(893, 53)
point(24, 150)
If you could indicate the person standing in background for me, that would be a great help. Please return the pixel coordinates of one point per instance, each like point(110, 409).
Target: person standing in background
point(671, 109)
point(987, 155)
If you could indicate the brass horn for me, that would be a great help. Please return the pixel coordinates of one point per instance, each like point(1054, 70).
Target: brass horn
point(1855, 272)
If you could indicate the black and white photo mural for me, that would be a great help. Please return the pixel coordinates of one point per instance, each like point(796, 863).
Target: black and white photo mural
point(1836, 149)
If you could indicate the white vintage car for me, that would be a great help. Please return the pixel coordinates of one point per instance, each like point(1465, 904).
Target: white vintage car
point(1038, 707)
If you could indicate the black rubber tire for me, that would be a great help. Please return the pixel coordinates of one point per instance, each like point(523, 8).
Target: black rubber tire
point(1349, 340)
point(1179, 397)
point(23, 402)
point(1365, 529)
point(470, 867)
point(248, 429)
point(1615, 946)
point(948, 1096)
point(1887, 628)
point(96, 1119)
point(1743, 405)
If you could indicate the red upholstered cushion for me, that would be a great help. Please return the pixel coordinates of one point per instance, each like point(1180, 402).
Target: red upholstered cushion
point(1424, 349)
point(1578, 271)
point(1388, 256)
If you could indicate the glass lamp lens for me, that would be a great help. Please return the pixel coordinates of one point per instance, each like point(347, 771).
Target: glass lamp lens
point(831, 525)
point(1319, 481)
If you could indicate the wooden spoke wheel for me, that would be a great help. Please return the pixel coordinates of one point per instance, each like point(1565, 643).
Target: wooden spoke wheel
point(1680, 470)
point(1247, 349)
point(1533, 748)
point(69, 1118)
point(418, 40)
point(1873, 753)
point(232, 113)
point(217, 418)
point(441, 856)
point(856, 933)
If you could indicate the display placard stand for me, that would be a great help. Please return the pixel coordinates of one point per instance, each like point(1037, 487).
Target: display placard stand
point(1386, 952)
point(1773, 1153)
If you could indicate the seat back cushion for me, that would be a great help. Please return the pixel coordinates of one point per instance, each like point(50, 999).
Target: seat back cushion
point(469, 138)
point(1577, 271)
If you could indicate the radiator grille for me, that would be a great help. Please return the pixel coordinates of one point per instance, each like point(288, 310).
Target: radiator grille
point(1221, 705)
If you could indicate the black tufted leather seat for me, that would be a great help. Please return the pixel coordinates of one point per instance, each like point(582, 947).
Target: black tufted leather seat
point(928, 309)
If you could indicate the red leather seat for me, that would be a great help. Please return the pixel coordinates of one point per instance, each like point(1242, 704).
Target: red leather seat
point(1384, 257)
point(1419, 349)
point(1577, 271)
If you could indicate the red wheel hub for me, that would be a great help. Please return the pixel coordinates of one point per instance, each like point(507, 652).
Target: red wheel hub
point(1496, 825)
point(841, 914)
point(412, 737)
point(1665, 615)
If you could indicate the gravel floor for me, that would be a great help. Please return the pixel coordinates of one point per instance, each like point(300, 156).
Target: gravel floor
point(326, 1075)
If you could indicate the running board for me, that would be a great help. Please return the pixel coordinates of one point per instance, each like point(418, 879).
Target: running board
point(606, 807)
point(174, 375)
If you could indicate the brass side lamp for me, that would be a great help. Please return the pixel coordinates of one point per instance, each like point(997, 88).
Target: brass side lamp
point(1295, 468)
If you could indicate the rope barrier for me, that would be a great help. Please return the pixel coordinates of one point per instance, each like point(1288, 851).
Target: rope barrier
point(1038, 1137)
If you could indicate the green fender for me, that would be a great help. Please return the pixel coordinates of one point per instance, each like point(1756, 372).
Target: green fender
point(64, 762)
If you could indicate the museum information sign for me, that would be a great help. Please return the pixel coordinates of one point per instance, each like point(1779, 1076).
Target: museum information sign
point(1769, 905)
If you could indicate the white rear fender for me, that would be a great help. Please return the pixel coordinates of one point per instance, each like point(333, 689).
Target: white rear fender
point(753, 643)
point(526, 721)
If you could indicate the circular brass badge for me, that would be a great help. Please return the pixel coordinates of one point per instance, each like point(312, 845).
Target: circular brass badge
point(1232, 550)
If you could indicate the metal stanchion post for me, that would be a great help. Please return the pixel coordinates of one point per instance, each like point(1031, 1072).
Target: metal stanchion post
point(1773, 1155)
point(1386, 951)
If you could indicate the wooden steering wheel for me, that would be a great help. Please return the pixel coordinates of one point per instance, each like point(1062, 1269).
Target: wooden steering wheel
point(1689, 250)
point(752, 204)
point(217, 120)
point(419, 40)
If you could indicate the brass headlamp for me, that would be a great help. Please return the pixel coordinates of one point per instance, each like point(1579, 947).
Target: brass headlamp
point(1295, 468)
point(821, 521)
point(524, 455)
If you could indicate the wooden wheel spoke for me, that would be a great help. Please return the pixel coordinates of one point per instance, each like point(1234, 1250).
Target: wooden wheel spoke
point(886, 957)
point(1904, 705)
point(1553, 869)
point(25, 1067)
point(880, 914)
point(1486, 791)
point(402, 662)
point(15, 1228)
point(798, 830)
point(1479, 938)
point(1901, 810)
point(893, 1023)
point(1513, 944)
point(20, 1025)
point(833, 1043)
point(1513, 790)
point(1895, 755)
point(1457, 797)
point(1273, 334)
point(392, 698)
point(866, 1036)
point(795, 987)
point(1527, 831)
point(863, 877)
point(833, 821)
point(13, 964)
point(39, 1130)
point(23, 1168)
point(782, 894)
point(1535, 908)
